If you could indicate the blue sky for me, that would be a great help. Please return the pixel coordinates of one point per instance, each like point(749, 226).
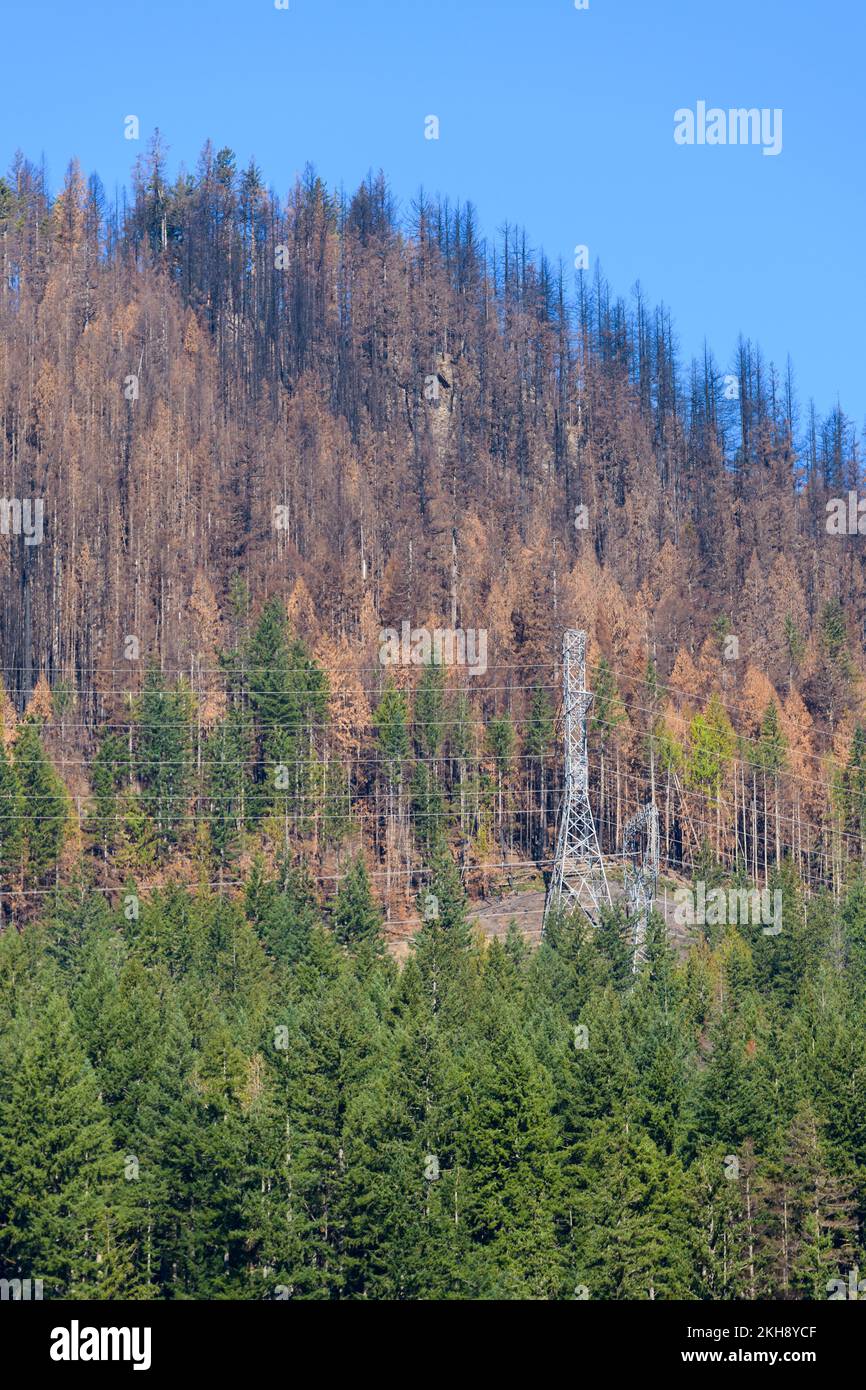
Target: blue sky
point(558, 119)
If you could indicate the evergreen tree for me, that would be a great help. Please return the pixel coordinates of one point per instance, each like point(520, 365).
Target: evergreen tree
point(11, 820)
point(357, 918)
point(428, 729)
point(428, 725)
point(109, 772)
point(163, 756)
point(228, 754)
point(608, 711)
point(284, 914)
point(58, 1173)
point(46, 803)
point(811, 1225)
point(507, 1150)
point(711, 747)
point(402, 1240)
point(392, 736)
point(855, 785)
point(428, 810)
point(288, 693)
point(634, 1227)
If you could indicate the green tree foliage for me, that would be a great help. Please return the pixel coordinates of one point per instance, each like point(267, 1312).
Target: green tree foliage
point(58, 1175)
point(634, 1238)
point(607, 709)
point(506, 1150)
point(228, 754)
point(772, 745)
point(357, 918)
point(855, 785)
point(390, 721)
point(11, 820)
point(212, 1097)
point(46, 803)
point(428, 725)
point(109, 772)
point(501, 741)
point(711, 746)
point(163, 756)
point(288, 694)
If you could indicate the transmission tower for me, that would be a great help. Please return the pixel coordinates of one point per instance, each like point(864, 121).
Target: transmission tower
point(578, 878)
point(640, 847)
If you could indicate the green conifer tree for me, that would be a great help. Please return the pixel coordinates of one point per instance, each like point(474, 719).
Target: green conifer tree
point(356, 915)
point(46, 803)
point(163, 757)
point(11, 821)
point(58, 1173)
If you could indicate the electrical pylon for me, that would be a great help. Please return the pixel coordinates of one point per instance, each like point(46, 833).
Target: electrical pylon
point(578, 879)
point(641, 873)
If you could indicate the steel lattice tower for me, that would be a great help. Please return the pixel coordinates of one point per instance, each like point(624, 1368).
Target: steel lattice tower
point(578, 879)
point(641, 872)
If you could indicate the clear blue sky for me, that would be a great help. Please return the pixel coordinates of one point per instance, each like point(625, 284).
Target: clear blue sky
point(558, 119)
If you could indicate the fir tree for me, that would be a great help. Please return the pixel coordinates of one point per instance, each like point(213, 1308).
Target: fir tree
point(163, 756)
point(58, 1173)
point(109, 772)
point(357, 918)
point(11, 820)
point(228, 754)
point(507, 1150)
point(288, 693)
point(634, 1229)
point(46, 803)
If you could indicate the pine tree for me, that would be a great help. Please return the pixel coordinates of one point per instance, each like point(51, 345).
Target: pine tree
point(326, 1049)
point(163, 756)
point(727, 1104)
point(390, 720)
point(614, 944)
point(11, 820)
point(109, 772)
point(357, 917)
point(811, 1228)
point(507, 1151)
point(182, 1202)
point(402, 1240)
point(855, 785)
point(428, 810)
point(711, 747)
point(58, 1173)
point(46, 803)
point(608, 712)
point(288, 694)
point(228, 753)
point(633, 1224)
point(428, 725)
point(284, 914)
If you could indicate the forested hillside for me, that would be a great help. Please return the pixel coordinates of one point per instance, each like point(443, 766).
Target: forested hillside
point(369, 419)
point(264, 434)
point(232, 1099)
